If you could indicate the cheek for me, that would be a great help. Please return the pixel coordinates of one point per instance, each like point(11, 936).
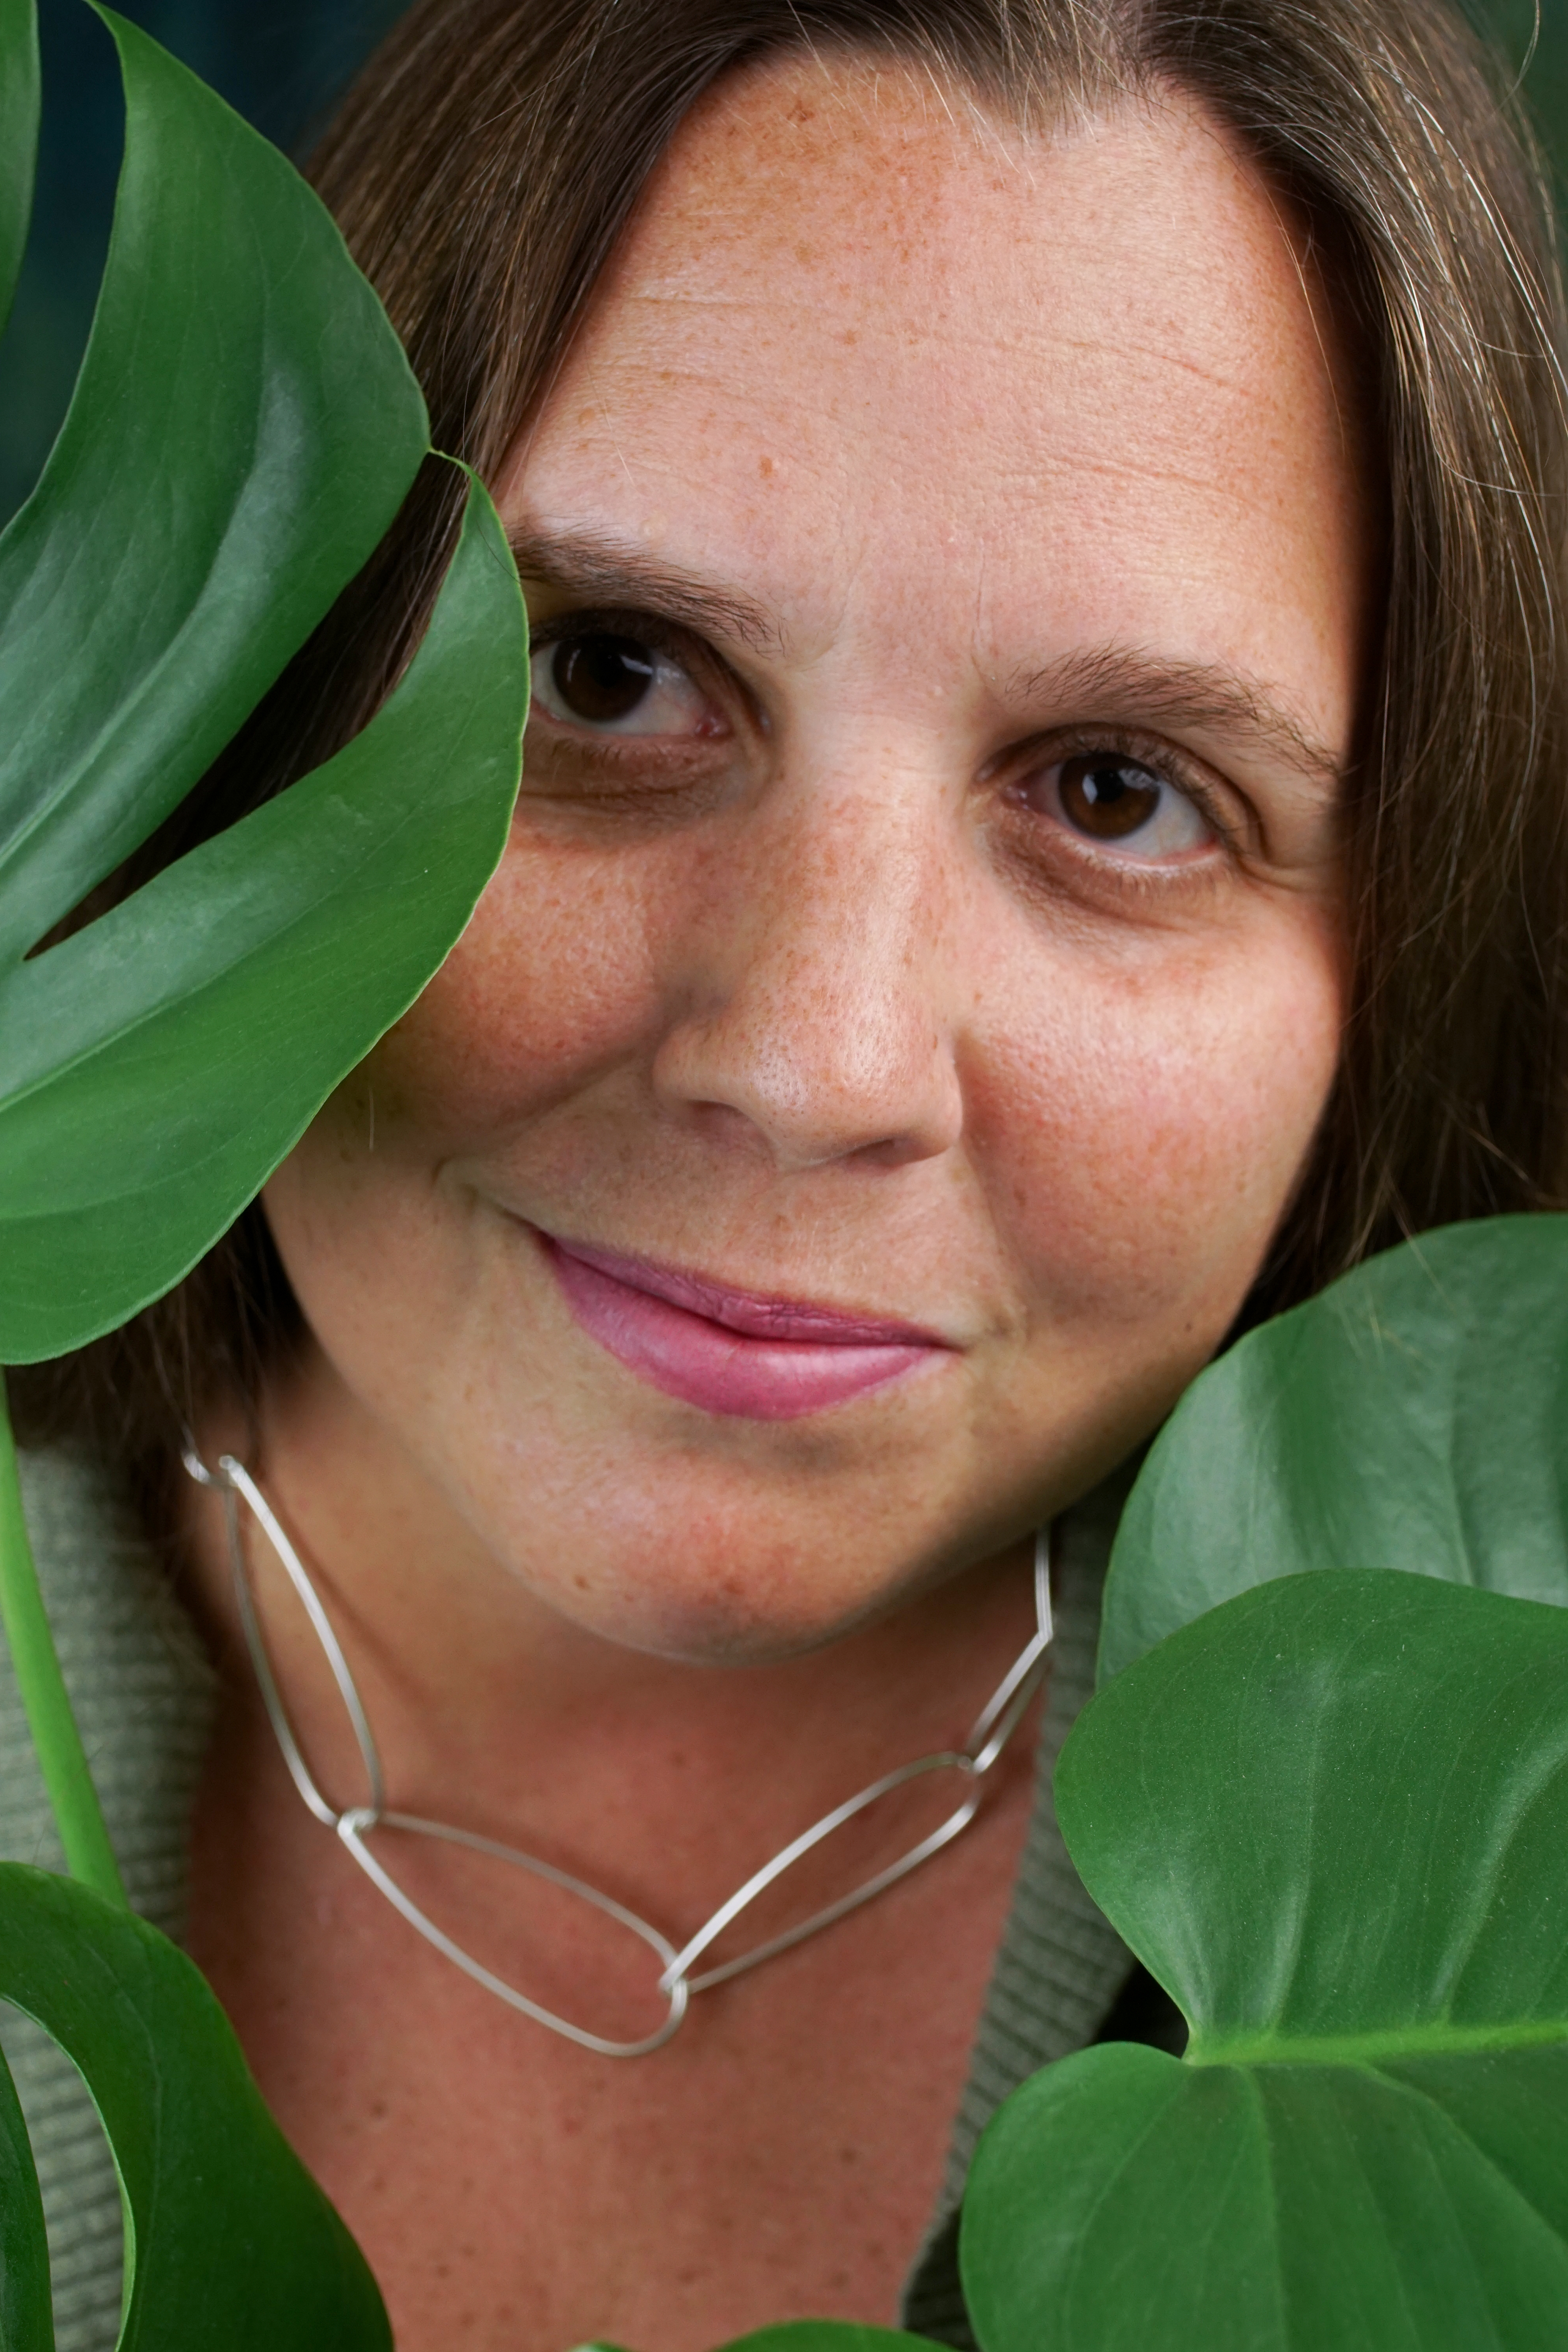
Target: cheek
point(1156, 1119)
point(551, 986)
point(549, 991)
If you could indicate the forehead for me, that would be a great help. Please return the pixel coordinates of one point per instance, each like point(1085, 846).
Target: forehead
point(865, 340)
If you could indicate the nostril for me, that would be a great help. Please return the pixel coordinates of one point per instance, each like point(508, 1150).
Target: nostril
point(811, 1094)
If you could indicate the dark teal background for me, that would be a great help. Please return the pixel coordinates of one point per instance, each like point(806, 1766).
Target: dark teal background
point(282, 63)
point(1544, 41)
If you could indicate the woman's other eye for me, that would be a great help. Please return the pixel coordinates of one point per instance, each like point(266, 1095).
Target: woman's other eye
point(615, 685)
point(1120, 805)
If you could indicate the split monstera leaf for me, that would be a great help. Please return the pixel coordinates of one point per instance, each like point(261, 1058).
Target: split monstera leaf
point(244, 430)
point(1331, 1817)
point(1326, 1804)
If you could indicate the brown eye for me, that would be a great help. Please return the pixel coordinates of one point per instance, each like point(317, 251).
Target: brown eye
point(600, 679)
point(1128, 811)
point(1108, 798)
point(598, 682)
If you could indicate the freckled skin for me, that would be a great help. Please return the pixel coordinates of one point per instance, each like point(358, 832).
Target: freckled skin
point(823, 1012)
point(831, 1029)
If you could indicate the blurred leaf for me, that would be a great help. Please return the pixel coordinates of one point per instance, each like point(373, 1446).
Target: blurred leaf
point(155, 1067)
point(1413, 1416)
point(56, 1741)
point(230, 2243)
point(26, 2322)
point(812, 2335)
point(1331, 1819)
point(242, 433)
point(18, 137)
point(827, 2336)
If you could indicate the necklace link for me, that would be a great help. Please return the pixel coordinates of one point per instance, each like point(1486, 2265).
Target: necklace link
point(354, 1825)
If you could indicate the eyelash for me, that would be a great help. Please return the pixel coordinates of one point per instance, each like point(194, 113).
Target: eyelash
point(666, 637)
point(614, 753)
point(1157, 758)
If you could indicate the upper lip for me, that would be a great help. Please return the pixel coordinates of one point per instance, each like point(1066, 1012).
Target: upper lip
point(755, 1313)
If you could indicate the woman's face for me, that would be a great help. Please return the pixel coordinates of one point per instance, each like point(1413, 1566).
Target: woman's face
point(869, 1086)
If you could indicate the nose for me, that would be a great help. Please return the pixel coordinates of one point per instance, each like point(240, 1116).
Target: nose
point(811, 992)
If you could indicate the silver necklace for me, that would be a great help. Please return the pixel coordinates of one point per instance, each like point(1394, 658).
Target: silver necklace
point(356, 1824)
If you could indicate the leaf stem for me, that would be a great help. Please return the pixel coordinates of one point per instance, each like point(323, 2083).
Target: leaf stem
point(62, 1759)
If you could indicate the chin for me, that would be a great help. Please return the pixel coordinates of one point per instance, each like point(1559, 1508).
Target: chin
point(728, 1616)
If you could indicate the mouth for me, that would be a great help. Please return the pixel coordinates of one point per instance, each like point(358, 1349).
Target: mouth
point(734, 1352)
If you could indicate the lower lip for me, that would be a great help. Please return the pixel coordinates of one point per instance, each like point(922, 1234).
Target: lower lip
point(722, 1371)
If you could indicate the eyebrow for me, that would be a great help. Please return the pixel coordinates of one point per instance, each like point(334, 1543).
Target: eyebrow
point(1109, 683)
point(603, 571)
point(1122, 683)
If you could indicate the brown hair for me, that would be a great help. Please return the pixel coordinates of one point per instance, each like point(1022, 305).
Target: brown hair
point(485, 166)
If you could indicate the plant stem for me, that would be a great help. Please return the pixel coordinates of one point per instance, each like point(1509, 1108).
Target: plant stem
point(62, 1759)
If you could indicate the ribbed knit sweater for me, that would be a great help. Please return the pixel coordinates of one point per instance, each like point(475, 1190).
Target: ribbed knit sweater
point(145, 1696)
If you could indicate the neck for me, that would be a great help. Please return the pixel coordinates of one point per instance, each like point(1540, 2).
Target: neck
point(664, 1779)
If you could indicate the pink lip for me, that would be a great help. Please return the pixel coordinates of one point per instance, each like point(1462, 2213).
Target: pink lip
point(730, 1352)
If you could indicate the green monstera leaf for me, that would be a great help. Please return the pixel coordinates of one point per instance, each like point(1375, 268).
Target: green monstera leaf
point(156, 1066)
point(229, 2242)
point(26, 2319)
point(1331, 1817)
point(243, 431)
point(1412, 1417)
point(18, 137)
